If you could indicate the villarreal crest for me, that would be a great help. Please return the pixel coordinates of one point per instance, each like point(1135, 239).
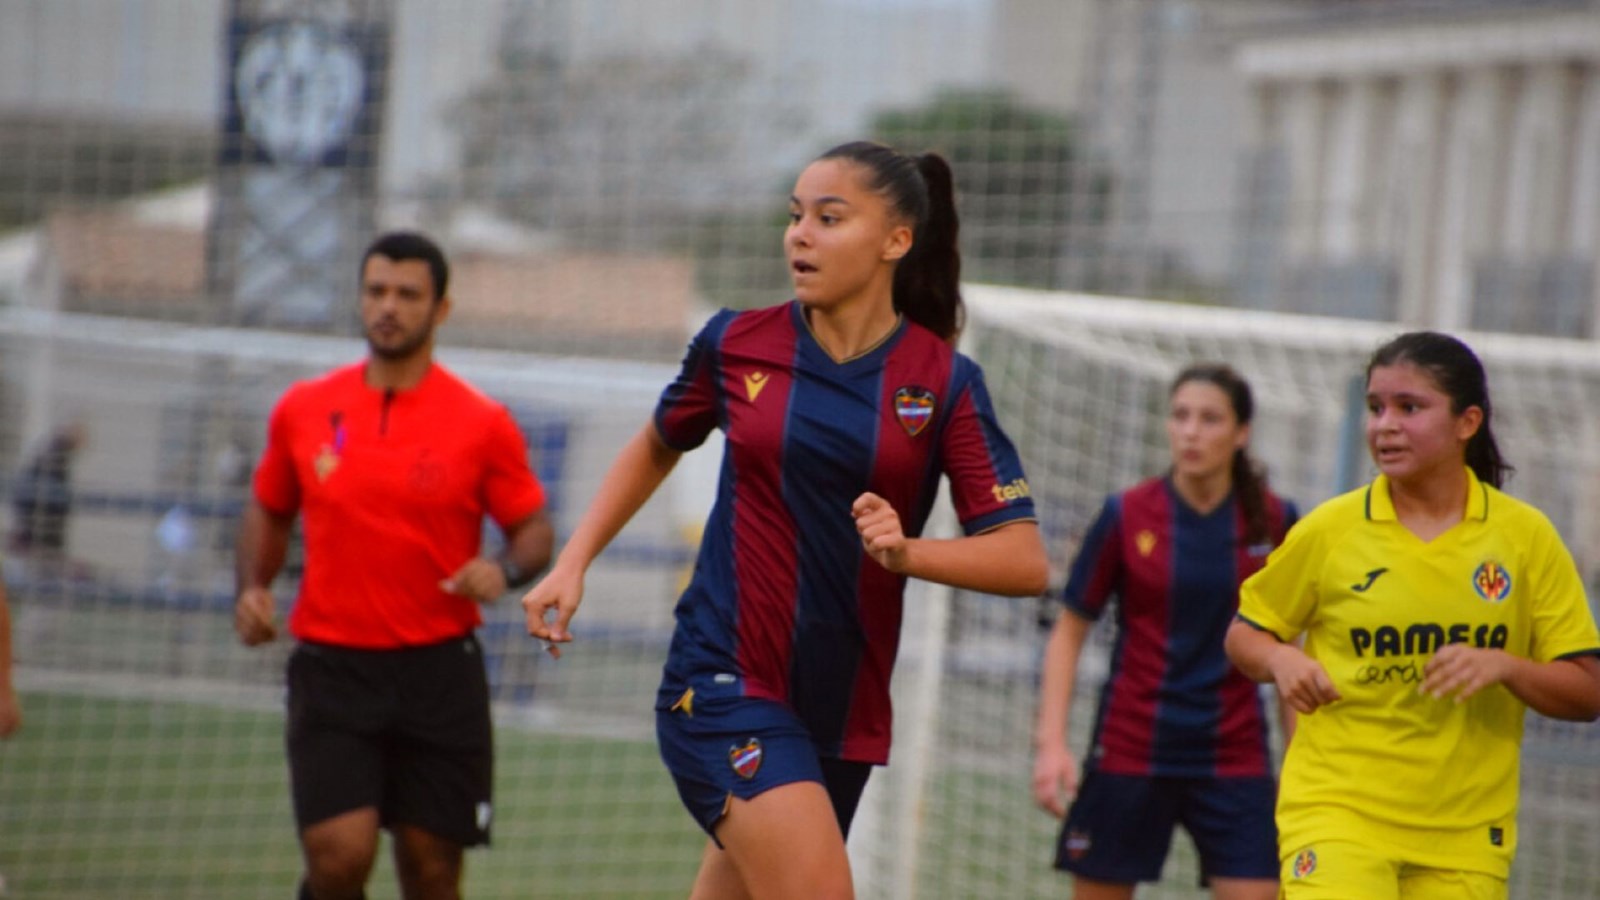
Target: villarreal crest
point(914, 407)
point(746, 758)
point(1492, 581)
point(1305, 863)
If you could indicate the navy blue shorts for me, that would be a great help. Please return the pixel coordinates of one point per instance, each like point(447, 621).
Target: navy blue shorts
point(1120, 827)
point(730, 746)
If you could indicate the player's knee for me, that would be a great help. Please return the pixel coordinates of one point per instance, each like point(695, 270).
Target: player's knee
point(338, 869)
point(427, 866)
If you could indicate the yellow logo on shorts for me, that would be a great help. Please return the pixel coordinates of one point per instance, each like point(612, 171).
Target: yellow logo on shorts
point(1305, 863)
point(685, 704)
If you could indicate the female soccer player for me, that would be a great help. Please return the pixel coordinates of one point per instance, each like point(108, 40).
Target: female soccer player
point(1434, 609)
point(841, 409)
point(1180, 736)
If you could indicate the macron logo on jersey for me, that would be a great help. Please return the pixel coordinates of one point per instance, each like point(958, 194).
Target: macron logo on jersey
point(1371, 577)
point(753, 383)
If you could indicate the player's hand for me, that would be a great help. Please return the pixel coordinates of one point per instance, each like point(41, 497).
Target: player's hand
point(881, 534)
point(480, 579)
point(1055, 779)
point(252, 616)
point(10, 712)
point(1460, 671)
point(1301, 681)
point(560, 592)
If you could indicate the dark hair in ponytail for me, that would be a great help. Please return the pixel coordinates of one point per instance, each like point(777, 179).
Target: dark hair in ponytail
point(1459, 374)
point(921, 189)
point(1249, 479)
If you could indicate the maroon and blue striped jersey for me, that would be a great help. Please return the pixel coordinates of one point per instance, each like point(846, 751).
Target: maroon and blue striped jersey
point(784, 603)
point(1172, 704)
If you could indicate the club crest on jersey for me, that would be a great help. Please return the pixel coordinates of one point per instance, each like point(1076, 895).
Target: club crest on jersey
point(327, 458)
point(1492, 581)
point(753, 383)
point(914, 407)
point(1305, 862)
point(1145, 541)
point(746, 759)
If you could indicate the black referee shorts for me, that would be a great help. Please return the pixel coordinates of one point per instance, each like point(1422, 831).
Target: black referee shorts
point(406, 731)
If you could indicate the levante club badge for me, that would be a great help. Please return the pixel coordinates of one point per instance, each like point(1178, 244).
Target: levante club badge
point(914, 406)
point(746, 759)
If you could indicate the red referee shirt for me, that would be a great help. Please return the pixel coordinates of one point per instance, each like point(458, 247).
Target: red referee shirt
point(392, 487)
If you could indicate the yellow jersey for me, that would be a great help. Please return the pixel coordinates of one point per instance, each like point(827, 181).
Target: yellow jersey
point(1435, 778)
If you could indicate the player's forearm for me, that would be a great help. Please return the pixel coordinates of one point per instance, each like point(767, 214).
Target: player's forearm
point(1561, 689)
point(641, 466)
point(1058, 680)
point(1251, 650)
point(5, 641)
point(1009, 560)
point(262, 546)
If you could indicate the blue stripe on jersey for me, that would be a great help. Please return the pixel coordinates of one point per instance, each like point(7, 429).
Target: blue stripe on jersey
point(1203, 560)
point(832, 437)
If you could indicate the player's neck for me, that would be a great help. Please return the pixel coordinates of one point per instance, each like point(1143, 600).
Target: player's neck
point(1203, 493)
point(847, 330)
point(1430, 504)
point(398, 374)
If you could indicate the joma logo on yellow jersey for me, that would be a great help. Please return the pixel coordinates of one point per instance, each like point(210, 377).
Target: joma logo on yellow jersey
point(1425, 637)
point(1016, 490)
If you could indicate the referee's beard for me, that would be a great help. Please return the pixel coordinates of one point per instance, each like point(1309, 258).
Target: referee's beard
point(402, 346)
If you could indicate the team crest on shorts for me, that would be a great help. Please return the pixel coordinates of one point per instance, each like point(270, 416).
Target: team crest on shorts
point(914, 407)
point(746, 759)
point(1078, 843)
point(1305, 863)
point(1492, 581)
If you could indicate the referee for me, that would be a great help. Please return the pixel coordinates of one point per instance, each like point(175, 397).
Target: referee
point(392, 464)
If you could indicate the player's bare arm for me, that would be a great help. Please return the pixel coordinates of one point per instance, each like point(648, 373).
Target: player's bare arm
point(262, 546)
point(1055, 769)
point(1301, 681)
point(1560, 689)
point(1010, 560)
point(644, 462)
point(10, 707)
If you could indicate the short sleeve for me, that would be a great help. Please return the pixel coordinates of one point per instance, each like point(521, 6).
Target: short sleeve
point(987, 483)
point(1282, 596)
point(511, 491)
point(1563, 623)
point(1291, 515)
point(688, 410)
point(276, 484)
point(1096, 571)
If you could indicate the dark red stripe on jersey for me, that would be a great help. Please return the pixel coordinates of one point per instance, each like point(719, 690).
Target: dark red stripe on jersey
point(765, 537)
point(1132, 708)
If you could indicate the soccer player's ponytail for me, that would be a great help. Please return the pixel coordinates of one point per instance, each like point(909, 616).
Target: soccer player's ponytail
point(920, 189)
point(1249, 479)
point(1460, 376)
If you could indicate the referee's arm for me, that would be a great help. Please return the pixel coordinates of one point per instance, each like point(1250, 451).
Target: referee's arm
point(259, 554)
